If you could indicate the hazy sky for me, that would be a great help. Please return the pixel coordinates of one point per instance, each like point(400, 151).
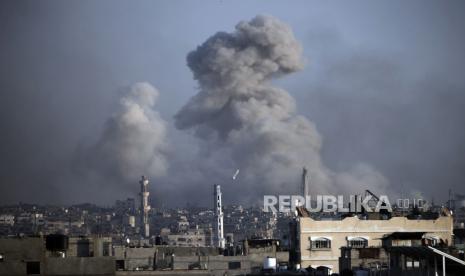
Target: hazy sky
point(383, 82)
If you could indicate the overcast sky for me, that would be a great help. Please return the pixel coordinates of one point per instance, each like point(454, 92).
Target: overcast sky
point(383, 82)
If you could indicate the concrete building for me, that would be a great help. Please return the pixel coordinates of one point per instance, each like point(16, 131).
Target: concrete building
point(183, 224)
point(402, 253)
point(63, 226)
point(6, 219)
point(424, 260)
point(318, 242)
point(31, 255)
point(257, 250)
point(62, 255)
point(127, 206)
point(176, 259)
point(192, 237)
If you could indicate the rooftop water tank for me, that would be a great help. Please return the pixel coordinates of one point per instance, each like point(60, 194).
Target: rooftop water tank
point(269, 263)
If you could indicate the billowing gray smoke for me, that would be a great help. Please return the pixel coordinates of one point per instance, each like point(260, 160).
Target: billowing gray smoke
point(133, 140)
point(240, 111)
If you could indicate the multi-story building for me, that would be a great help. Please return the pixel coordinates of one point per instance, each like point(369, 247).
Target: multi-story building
point(192, 237)
point(318, 242)
point(7, 220)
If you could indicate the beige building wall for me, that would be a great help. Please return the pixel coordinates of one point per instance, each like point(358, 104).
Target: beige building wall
point(339, 231)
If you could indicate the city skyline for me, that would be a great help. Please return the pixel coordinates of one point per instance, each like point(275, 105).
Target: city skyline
point(95, 96)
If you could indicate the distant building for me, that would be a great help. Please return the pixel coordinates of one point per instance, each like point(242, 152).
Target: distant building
point(182, 224)
point(7, 220)
point(33, 255)
point(192, 237)
point(127, 206)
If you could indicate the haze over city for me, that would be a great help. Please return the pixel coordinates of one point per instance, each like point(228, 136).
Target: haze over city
point(363, 94)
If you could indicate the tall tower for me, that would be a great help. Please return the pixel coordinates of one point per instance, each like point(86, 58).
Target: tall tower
point(219, 235)
point(304, 182)
point(144, 206)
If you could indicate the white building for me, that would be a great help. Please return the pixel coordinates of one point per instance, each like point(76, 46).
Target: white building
point(6, 219)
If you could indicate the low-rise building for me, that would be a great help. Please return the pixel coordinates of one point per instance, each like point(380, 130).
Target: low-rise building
point(33, 255)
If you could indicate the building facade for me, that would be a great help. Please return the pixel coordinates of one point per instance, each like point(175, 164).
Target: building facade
point(319, 241)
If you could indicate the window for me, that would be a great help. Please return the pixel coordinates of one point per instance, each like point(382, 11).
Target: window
point(411, 263)
point(119, 264)
point(234, 265)
point(32, 268)
point(320, 244)
point(106, 249)
point(432, 241)
point(358, 242)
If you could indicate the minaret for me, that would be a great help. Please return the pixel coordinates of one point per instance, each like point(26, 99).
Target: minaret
point(304, 182)
point(144, 206)
point(219, 235)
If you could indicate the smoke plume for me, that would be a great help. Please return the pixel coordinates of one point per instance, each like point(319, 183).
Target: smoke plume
point(239, 111)
point(133, 141)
